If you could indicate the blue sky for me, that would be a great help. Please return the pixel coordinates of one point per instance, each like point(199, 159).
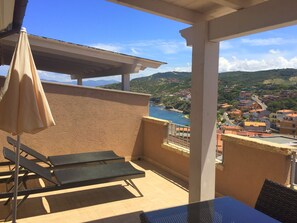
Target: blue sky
point(113, 27)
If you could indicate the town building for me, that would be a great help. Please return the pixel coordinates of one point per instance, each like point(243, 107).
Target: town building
point(245, 95)
point(257, 114)
point(289, 124)
point(235, 114)
point(255, 126)
point(246, 105)
point(225, 106)
point(272, 118)
point(230, 129)
point(278, 116)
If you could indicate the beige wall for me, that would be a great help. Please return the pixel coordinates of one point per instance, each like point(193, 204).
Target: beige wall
point(247, 162)
point(155, 133)
point(246, 165)
point(90, 119)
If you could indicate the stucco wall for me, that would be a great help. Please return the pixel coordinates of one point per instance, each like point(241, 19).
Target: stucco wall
point(155, 133)
point(247, 164)
point(90, 119)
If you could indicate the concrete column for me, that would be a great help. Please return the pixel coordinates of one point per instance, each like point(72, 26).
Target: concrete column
point(204, 92)
point(126, 82)
point(79, 81)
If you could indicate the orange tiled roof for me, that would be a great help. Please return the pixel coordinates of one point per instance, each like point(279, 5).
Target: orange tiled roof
point(256, 110)
point(292, 115)
point(226, 127)
point(235, 112)
point(286, 110)
point(185, 129)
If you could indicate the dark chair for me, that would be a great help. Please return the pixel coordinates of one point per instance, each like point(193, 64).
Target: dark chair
point(278, 201)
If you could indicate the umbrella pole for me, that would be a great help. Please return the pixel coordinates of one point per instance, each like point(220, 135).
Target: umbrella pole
point(16, 180)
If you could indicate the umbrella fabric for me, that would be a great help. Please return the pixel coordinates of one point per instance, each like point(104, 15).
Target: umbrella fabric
point(23, 105)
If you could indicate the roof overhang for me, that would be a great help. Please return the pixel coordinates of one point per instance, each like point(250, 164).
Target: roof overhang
point(76, 60)
point(226, 18)
point(12, 13)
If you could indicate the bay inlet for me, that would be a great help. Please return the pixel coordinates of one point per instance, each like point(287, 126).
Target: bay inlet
point(161, 113)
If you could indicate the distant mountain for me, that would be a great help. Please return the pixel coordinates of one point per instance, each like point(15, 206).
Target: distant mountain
point(89, 83)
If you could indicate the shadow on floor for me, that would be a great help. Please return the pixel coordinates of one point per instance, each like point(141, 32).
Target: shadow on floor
point(126, 218)
point(164, 174)
point(68, 201)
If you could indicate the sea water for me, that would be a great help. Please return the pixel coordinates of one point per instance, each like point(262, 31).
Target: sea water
point(161, 113)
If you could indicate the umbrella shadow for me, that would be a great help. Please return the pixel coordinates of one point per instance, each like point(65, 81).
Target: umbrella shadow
point(49, 204)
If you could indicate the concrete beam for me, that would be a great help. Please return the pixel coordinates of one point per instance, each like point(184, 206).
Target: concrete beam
point(163, 9)
point(126, 69)
point(237, 4)
point(262, 17)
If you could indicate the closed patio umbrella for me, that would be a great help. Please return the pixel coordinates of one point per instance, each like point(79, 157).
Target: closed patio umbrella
point(23, 105)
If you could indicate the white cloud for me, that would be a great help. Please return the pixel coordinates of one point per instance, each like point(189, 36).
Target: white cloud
point(50, 76)
point(266, 63)
point(110, 47)
point(187, 68)
point(145, 47)
point(44, 75)
point(165, 68)
point(273, 51)
point(169, 47)
point(268, 41)
point(135, 51)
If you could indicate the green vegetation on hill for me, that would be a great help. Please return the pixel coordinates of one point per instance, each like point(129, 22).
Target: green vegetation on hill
point(281, 83)
point(168, 89)
point(172, 89)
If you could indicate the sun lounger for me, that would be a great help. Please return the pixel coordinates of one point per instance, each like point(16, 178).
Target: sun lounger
point(69, 159)
point(71, 177)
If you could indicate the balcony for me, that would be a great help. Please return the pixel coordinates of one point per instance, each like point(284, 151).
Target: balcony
point(90, 119)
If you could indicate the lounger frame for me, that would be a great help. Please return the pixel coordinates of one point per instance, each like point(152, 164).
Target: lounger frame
point(55, 186)
point(38, 157)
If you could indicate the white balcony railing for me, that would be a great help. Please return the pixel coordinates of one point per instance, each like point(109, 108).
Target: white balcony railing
point(179, 135)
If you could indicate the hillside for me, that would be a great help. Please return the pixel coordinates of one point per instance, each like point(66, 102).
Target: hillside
point(173, 88)
point(159, 83)
point(258, 77)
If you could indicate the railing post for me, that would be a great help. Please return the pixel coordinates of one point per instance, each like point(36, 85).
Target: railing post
point(293, 169)
point(168, 132)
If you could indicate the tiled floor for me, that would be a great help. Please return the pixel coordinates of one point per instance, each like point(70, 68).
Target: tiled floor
point(106, 203)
